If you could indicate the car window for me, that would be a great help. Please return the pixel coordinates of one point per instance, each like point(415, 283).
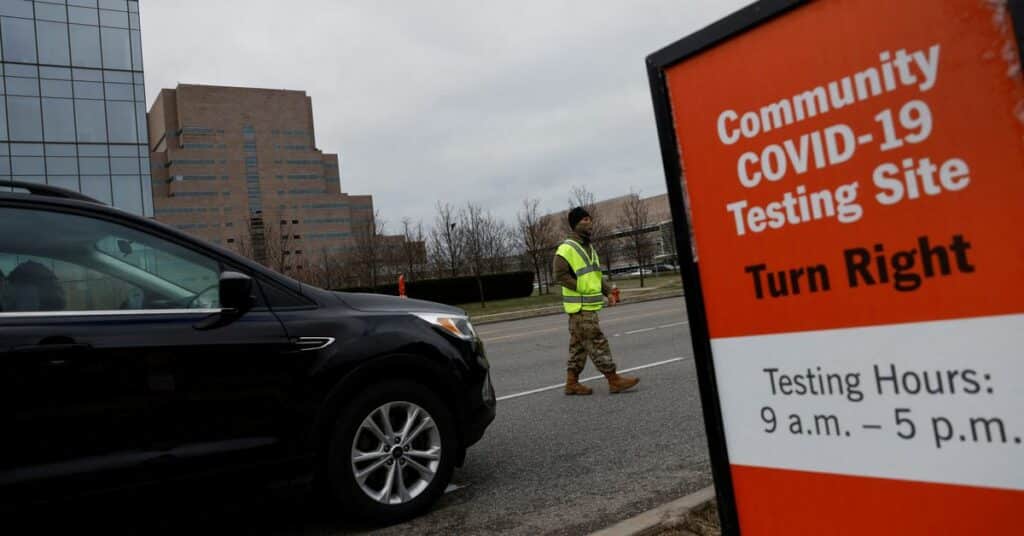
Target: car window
point(184, 270)
point(37, 283)
point(52, 261)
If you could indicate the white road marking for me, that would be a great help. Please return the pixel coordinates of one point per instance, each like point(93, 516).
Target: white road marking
point(455, 487)
point(663, 326)
point(488, 337)
point(561, 385)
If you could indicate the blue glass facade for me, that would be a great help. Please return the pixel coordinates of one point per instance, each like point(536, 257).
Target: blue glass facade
point(74, 110)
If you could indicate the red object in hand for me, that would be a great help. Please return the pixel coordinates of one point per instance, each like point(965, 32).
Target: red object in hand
point(615, 296)
point(401, 285)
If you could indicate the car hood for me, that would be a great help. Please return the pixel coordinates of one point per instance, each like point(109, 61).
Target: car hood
point(381, 303)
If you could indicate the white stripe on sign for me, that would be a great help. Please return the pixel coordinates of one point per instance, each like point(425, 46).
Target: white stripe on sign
point(927, 401)
point(561, 385)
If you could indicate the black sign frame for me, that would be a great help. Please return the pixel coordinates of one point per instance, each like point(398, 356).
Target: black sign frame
point(658, 63)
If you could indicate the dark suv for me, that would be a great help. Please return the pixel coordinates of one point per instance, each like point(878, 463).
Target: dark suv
point(131, 353)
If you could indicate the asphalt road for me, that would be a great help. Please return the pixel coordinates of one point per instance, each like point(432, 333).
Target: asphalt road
point(555, 464)
point(549, 464)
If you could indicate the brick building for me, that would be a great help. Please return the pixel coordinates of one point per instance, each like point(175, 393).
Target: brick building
point(240, 167)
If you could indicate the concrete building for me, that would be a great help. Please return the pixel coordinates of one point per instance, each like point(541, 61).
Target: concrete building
point(74, 112)
point(240, 167)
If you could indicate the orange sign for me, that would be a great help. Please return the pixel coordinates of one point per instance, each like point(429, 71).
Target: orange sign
point(854, 171)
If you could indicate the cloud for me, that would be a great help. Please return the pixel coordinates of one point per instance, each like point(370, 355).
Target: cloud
point(451, 100)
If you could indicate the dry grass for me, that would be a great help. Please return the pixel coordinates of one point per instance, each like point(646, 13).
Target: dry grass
point(701, 521)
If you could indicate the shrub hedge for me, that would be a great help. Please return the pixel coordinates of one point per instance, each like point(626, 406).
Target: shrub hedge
point(456, 290)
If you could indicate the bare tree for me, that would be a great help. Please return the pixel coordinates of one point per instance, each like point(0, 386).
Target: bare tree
point(498, 245)
point(267, 242)
point(329, 270)
point(369, 247)
point(639, 241)
point(413, 251)
point(487, 243)
point(536, 238)
point(279, 246)
point(446, 240)
point(474, 223)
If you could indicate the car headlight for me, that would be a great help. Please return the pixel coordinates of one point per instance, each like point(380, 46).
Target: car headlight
point(456, 325)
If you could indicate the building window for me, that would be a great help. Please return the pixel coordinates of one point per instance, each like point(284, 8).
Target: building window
point(121, 122)
point(53, 42)
point(85, 45)
point(24, 117)
point(84, 15)
point(231, 241)
point(91, 121)
point(117, 49)
point(19, 40)
point(59, 120)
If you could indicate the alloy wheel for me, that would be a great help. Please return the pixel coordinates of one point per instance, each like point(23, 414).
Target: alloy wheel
point(396, 452)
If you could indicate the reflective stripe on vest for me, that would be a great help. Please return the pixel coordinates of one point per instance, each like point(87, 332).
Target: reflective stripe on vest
point(583, 299)
point(590, 260)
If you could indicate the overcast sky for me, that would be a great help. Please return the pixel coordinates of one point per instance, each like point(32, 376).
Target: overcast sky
point(461, 101)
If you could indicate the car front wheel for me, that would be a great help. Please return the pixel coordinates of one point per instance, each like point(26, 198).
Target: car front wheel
point(392, 452)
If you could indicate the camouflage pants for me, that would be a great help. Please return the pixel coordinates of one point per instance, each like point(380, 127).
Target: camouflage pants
point(586, 338)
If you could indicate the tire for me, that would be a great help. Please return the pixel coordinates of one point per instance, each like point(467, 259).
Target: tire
point(353, 482)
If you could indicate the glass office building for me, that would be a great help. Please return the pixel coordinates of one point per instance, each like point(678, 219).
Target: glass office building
point(74, 112)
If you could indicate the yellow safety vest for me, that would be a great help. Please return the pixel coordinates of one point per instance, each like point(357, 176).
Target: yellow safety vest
point(587, 296)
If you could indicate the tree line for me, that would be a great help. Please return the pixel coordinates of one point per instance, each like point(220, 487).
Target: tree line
point(465, 240)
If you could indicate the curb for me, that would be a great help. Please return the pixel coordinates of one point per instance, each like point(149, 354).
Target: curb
point(652, 520)
point(557, 309)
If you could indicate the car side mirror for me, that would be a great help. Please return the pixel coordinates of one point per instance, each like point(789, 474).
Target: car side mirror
point(235, 291)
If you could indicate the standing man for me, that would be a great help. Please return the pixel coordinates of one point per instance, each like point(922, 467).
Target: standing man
point(578, 270)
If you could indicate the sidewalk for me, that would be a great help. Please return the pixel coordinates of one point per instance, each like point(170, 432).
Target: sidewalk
point(628, 296)
point(662, 518)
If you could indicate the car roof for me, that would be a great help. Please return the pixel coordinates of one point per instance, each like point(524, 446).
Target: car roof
point(47, 190)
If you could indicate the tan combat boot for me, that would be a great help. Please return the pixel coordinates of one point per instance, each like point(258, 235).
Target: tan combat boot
point(573, 385)
point(618, 384)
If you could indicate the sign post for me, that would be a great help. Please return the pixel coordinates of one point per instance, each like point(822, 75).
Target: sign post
point(850, 176)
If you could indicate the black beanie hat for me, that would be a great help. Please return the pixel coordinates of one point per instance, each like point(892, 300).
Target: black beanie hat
point(575, 215)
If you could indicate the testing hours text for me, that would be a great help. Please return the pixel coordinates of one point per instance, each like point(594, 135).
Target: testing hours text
point(905, 386)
